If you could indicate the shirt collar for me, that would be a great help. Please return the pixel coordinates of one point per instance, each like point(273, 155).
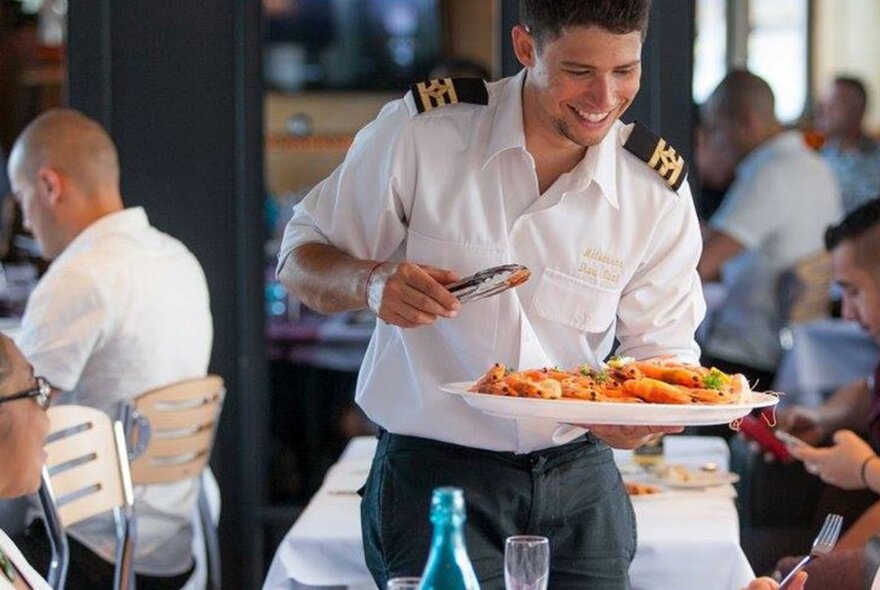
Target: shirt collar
point(865, 145)
point(599, 164)
point(507, 125)
point(784, 141)
point(123, 221)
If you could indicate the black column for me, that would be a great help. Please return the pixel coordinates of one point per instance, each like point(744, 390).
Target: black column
point(178, 85)
point(665, 102)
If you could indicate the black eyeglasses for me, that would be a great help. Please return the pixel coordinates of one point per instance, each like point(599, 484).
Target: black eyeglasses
point(42, 394)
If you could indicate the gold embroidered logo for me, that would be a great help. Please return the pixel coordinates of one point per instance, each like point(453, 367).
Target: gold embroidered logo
point(601, 266)
point(436, 93)
point(667, 162)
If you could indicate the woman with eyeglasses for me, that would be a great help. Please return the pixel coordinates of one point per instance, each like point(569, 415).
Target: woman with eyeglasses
point(24, 425)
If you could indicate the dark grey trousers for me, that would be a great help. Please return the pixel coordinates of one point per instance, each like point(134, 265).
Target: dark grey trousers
point(571, 494)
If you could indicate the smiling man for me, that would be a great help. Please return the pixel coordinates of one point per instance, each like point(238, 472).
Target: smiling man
point(459, 176)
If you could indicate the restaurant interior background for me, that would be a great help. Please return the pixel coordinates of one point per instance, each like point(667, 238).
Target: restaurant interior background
point(246, 106)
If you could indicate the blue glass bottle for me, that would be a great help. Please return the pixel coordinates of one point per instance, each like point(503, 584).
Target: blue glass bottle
point(448, 567)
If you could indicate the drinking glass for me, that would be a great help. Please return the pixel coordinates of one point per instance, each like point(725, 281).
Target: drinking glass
point(403, 583)
point(526, 563)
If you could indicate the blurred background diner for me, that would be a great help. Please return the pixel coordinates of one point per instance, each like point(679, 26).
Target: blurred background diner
point(226, 113)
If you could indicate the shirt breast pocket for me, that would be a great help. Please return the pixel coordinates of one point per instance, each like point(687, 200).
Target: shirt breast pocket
point(474, 328)
point(574, 302)
point(463, 258)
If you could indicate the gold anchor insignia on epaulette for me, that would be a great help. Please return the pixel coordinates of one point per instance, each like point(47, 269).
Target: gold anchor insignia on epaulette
point(436, 93)
point(667, 162)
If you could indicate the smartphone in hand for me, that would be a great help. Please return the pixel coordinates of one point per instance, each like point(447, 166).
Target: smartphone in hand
point(789, 439)
point(755, 428)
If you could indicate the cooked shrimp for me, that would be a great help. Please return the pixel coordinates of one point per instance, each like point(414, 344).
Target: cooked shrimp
point(654, 391)
point(709, 396)
point(547, 388)
point(494, 375)
point(676, 374)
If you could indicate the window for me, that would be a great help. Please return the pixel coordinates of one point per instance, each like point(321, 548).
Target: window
point(777, 51)
point(710, 47)
point(769, 37)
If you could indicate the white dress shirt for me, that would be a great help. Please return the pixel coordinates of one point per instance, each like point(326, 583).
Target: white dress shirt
point(124, 309)
point(612, 250)
point(778, 208)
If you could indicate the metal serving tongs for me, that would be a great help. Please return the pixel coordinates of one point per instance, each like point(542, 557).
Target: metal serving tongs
point(489, 282)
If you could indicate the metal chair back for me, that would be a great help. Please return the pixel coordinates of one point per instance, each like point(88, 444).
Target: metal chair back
point(86, 474)
point(171, 433)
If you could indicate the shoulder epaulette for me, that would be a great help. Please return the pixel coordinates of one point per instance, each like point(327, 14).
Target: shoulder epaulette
point(659, 155)
point(442, 91)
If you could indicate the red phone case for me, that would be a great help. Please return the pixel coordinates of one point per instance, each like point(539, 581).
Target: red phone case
point(754, 428)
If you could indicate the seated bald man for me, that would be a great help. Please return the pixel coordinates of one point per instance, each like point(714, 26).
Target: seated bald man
point(122, 309)
point(773, 216)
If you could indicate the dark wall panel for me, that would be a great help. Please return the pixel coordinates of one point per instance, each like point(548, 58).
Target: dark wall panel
point(178, 85)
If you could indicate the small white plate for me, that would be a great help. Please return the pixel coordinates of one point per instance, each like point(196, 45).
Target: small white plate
point(696, 479)
point(573, 411)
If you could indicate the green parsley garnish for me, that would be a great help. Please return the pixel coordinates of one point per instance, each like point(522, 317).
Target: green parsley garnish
point(715, 379)
point(619, 362)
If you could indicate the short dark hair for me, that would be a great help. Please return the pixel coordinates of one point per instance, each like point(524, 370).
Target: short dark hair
point(857, 85)
point(741, 93)
point(546, 19)
point(854, 225)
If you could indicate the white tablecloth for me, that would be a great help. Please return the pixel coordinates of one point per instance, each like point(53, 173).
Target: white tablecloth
point(825, 354)
point(687, 539)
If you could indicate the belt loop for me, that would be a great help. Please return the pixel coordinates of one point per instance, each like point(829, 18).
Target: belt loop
point(538, 463)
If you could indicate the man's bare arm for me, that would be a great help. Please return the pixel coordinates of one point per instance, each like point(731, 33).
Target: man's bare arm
point(718, 249)
point(404, 294)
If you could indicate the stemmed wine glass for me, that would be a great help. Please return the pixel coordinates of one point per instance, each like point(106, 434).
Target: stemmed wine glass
point(526, 563)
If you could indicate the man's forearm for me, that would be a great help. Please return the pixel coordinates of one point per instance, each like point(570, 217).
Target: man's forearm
point(325, 278)
point(849, 407)
point(718, 249)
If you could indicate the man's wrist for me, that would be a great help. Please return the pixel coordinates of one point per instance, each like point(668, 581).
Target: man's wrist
point(368, 281)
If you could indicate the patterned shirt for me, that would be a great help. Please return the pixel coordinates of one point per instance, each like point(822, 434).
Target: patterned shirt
point(857, 171)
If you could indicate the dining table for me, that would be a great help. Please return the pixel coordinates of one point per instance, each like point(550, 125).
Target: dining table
point(687, 538)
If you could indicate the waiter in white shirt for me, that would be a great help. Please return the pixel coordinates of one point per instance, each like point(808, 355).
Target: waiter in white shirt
point(457, 177)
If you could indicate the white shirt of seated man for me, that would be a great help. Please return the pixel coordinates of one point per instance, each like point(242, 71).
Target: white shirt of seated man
point(122, 310)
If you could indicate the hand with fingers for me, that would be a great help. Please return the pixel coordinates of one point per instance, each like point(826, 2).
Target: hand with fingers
point(846, 464)
point(804, 423)
point(410, 295)
point(629, 437)
point(770, 584)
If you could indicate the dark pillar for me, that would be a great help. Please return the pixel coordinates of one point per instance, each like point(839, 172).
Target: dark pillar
point(177, 83)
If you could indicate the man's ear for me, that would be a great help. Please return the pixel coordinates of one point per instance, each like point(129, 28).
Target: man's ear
point(50, 184)
point(524, 45)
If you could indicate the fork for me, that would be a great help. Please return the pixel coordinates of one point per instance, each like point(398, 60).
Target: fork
point(822, 545)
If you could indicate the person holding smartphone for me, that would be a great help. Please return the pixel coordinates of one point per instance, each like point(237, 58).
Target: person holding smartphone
point(851, 418)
